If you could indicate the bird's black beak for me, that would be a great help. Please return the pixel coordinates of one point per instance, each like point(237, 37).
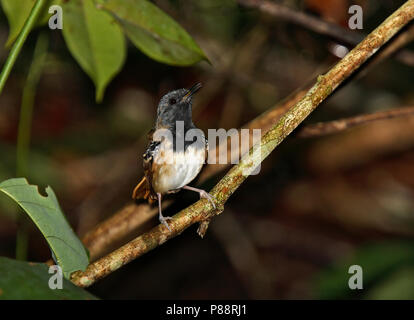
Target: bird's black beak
point(191, 91)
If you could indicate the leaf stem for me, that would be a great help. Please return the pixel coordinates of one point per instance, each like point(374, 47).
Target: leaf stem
point(23, 138)
point(26, 109)
point(18, 44)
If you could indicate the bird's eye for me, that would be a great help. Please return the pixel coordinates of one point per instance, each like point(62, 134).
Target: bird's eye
point(172, 101)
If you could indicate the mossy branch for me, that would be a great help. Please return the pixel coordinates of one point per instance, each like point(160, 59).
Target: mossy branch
point(202, 211)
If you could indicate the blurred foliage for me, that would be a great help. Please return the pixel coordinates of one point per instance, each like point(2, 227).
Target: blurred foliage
point(387, 273)
point(220, 18)
point(27, 280)
point(43, 170)
point(48, 217)
point(397, 286)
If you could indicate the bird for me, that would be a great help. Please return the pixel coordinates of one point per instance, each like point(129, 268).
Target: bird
point(171, 161)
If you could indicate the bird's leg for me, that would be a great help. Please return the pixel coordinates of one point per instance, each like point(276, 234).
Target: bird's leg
point(203, 194)
point(162, 219)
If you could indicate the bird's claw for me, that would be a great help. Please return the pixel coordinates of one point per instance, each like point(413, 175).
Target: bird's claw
point(204, 194)
point(163, 220)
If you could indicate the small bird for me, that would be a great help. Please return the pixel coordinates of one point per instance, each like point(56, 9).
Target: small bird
point(174, 160)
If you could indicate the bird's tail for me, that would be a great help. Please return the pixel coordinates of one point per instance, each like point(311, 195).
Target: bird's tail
point(142, 190)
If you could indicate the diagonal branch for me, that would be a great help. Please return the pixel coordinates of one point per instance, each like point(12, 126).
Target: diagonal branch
point(202, 210)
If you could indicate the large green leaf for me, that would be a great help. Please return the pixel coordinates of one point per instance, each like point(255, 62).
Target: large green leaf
point(48, 217)
point(26, 280)
point(95, 41)
point(17, 11)
point(154, 32)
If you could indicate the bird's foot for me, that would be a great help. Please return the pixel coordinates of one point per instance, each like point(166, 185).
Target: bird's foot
point(204, 194)
point(163, 220)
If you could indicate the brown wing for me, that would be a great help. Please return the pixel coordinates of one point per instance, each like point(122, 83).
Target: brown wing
point(144, 190)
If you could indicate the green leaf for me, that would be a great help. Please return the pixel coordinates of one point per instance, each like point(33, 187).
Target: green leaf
point(26, 280)
point(18, 11)
point(95, 41)
point(48, 217)
point(154, 32)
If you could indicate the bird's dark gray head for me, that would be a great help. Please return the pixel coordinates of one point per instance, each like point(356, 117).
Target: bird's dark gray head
point(176, 106)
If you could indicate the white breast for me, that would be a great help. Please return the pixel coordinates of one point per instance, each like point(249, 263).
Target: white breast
point(178, 169)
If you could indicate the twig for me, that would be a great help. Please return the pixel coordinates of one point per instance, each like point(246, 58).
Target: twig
point(203, 210)
point(325, 128)
point(362, 145)
point(317, 25)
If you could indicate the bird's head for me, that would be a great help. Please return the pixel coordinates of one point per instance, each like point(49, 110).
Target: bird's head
point(176, 106)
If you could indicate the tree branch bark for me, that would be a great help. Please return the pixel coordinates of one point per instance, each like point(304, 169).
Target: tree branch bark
point(203, 210)
point(325, 128)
